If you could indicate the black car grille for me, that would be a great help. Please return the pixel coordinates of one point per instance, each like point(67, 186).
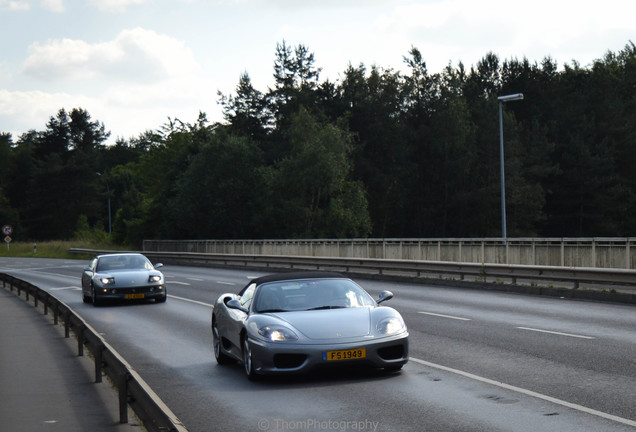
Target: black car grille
point(392, 352)
point(137, 290)
point(289, 361)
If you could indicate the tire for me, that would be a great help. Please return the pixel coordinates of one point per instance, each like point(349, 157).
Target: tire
point(219, 355)
point(85, 298)
point(247, 361)
point(96, 301)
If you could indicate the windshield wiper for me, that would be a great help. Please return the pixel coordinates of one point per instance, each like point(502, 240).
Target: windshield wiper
point(326, 307)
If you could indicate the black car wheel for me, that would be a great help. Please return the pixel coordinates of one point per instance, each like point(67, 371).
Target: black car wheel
point(221, 357)
point(94, 298)
point(85, 298)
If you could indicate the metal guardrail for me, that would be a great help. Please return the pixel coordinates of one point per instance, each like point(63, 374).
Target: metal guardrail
point(133, 390)
point(438, 270)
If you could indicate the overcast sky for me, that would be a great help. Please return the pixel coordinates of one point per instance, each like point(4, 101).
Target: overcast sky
point(133, 63)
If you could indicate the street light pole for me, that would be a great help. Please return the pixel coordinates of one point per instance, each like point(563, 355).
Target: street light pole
point(502, 99)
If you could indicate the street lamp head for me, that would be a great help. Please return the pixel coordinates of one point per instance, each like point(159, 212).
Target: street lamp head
point(510, 97)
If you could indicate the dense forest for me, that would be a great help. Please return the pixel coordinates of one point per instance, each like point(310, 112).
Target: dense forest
point(378, 153)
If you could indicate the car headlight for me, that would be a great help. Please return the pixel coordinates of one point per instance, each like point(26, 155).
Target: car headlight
point(390, 326)
point(154, 278)
point(277, 333)
point(107, 280)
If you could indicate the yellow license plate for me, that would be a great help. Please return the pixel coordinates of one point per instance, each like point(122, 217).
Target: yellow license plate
point(352, 354)
point(134, 296)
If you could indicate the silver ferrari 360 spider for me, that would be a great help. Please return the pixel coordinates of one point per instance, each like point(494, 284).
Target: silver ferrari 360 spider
point(295, 322)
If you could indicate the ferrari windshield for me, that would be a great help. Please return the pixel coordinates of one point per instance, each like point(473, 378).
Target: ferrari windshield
point(123, 262)
point(310, 294)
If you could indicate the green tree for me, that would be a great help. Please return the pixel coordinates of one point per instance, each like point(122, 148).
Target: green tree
point(62, 182)
point(247, 112)
point(311, 191)
point(8, 214)
point(219, 194)
point(381, 156)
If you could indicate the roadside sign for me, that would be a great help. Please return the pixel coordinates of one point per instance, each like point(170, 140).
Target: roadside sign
point(7, 230)
point(7, 239)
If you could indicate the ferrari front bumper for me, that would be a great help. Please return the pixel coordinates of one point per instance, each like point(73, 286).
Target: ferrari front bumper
point(292, 358)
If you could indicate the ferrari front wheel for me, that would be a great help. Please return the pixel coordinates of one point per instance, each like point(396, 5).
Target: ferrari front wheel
point(247, 361)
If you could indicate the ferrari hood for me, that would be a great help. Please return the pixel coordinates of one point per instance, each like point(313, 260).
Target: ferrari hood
point(330, 323)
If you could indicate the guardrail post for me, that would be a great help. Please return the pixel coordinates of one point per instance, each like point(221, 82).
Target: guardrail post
point(80, 341)
point(35, 299)
point(123, 397)
point(67, 325)
point(98, 362)
point(46, 304)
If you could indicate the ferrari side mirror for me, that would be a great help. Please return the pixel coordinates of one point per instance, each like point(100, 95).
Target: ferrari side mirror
point(384, 295)
point(235, 304)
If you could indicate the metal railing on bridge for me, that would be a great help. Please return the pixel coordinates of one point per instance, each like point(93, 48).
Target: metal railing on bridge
point(601, 252)
point(596, 283)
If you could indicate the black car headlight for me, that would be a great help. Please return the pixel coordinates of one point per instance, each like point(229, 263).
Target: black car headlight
point(392, 325)
point(277, 333)
point(107, 280)
point(154, 278)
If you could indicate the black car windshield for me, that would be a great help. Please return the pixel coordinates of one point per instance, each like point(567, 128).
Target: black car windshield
point(310, 294)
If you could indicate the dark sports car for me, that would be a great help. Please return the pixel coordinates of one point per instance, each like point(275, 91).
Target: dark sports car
point(295, 322)
point(122, 276)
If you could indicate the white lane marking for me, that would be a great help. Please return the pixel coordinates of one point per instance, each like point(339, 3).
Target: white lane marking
point(445, 316)
point(225, 283)
point(195, 279)
point(556, 333)
point(190, 300)
point(66, 288)
point(178, 283)
point(528, 393)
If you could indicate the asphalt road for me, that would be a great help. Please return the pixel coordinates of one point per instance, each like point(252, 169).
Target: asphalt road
point(480, 361)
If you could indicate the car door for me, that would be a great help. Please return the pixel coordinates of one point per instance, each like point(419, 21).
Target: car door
point(237, 318)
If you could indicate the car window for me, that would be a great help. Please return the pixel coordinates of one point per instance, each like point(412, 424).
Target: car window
point(105, 264)
point(123, 262)
point(139, 262)
point(246, 297)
